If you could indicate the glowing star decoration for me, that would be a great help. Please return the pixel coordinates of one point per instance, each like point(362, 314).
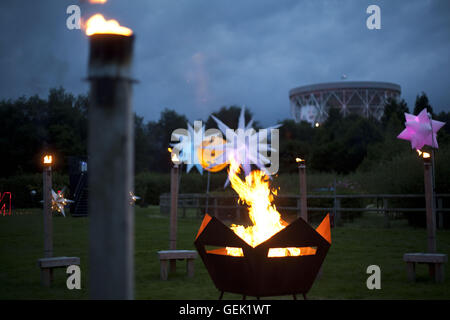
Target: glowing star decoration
point(421, 130)
point(189, 143)
point(244, 146)
point(208, 156)
point(59, 202)
point(133, 198)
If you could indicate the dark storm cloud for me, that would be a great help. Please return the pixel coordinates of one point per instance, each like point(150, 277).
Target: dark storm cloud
point(197, 55)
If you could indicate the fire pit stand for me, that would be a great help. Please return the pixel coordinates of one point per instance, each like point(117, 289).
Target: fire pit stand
point(255, 273)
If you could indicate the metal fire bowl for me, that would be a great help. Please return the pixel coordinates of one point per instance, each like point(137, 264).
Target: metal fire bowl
point(256, 274)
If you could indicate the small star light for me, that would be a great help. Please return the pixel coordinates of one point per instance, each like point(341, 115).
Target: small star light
point(421, 130)
point(133, 198)
point(59, 202)
point(244, 145)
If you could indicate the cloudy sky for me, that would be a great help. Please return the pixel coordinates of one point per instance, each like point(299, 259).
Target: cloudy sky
point(197, 55)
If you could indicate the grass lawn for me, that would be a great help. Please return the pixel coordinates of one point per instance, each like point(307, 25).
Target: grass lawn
point(354, 247)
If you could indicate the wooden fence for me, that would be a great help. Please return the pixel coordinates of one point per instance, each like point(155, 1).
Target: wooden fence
point(227, 206)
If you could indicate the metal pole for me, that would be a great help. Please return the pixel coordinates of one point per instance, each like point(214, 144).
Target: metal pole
point(334, 204)
point(431, 218)
point(207, 192)
point(174, 173)
point(47, 213)
point(111, 167)
point(302, 178)
point(173, 207)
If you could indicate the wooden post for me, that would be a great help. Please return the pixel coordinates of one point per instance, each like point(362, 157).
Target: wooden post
point(197, 205)
point(173, 207)
point(174, 172)
point(337, 210)
point(440, 213)
point(47, 213)
point(207, 192)
point(387, 223)
point(302, 182)
point(184, 201)
point(431, 217)
point(47, 274)
point(216, 213)
point(111, 167)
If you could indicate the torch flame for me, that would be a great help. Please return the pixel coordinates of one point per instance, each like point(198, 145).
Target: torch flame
point(98, 25)
point(423, 154)
point(255, 192)
point(48, 159)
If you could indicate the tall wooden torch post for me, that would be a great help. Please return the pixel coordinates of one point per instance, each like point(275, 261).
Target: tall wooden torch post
point(429, 203)
point(111, 161)
point(47, 193)
point(174, 182)
point(47, 273)
point(302, 182)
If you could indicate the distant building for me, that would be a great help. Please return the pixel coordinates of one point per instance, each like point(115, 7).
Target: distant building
point(311, 103)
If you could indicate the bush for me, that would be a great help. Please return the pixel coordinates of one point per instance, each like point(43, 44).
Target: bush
point(150, 185)
point(404, 175)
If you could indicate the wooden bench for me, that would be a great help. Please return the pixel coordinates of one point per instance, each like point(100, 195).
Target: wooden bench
point(48, 264)
point(166, 256)
point(435, 263)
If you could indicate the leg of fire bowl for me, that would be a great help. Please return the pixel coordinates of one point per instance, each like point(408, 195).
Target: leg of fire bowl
point(304, 297)
point(221, 295)
point(294, 296)
point(244, 297)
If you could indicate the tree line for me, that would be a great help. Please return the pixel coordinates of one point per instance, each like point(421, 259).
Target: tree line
point(58, 124)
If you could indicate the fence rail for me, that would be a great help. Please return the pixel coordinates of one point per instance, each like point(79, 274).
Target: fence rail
point(228, 206)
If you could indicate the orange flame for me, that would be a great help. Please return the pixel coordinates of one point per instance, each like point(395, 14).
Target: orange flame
point(255, 191)
point(48, 159)
point(98, 1)
point(98, 25)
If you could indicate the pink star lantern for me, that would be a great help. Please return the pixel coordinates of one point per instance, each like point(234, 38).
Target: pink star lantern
point(421, 130)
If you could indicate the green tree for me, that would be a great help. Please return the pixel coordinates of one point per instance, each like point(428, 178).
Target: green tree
point(342, 143)
point(28, 126)
point(230, 116)
point(395, 108)
point(421, 103)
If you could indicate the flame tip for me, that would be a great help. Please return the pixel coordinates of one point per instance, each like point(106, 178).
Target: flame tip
point(97, 24)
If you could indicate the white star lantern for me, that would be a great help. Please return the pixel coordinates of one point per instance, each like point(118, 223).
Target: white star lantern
point(59, 202)
point(421, 130)
point(244, 145)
